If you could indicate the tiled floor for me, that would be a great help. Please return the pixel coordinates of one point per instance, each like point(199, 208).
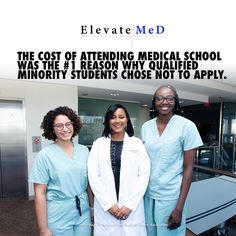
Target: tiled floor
point(17, 217)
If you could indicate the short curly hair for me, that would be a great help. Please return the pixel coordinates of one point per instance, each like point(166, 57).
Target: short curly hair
point(49, 118)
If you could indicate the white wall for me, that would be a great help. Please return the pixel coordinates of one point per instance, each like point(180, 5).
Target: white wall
point(143, 117)
point(38, 99)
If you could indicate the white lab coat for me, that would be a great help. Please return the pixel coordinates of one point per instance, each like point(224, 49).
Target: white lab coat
point(134, 176)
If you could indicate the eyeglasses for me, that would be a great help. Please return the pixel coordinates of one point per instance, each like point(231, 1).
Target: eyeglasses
point(168, 99)
point(60, 126)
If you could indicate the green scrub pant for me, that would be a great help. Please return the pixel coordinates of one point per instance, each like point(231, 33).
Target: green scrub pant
point(75, 231)
point(80, 228)
point(157, 213)
point(65, 220)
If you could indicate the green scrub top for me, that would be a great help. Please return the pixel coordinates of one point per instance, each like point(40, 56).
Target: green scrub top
point(166, 152)
point(65, 177)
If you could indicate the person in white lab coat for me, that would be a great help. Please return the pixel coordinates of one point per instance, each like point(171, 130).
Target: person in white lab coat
point(118, 171)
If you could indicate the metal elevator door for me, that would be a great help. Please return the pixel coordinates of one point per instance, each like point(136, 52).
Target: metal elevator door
point(13, 166)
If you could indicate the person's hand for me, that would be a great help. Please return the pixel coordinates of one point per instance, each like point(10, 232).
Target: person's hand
point(123, 214)
point(174, 220)
point(114, 210)
point(45, 232)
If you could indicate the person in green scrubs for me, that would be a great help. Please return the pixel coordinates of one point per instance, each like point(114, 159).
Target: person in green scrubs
point(171, 141)
point(59, 174)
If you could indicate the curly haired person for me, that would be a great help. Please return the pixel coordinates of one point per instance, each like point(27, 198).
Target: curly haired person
point(59, 174)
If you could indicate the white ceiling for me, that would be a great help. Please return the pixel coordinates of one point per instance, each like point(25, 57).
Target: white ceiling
point(189, 93)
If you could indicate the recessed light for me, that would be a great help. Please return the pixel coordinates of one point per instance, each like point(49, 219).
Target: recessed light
point(114, 94)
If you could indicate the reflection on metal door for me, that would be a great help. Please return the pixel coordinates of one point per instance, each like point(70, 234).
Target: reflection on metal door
point(12, 150)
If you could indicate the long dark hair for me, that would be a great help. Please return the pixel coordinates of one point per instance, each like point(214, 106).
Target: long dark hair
point(109, 113)
point(177, 108)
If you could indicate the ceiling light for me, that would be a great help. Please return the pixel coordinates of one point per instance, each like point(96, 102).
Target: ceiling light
point(114, 94)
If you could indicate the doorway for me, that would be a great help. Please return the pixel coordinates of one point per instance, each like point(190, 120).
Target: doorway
point(13, 167)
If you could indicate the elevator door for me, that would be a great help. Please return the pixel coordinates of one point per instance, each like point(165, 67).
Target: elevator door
point(12, 150)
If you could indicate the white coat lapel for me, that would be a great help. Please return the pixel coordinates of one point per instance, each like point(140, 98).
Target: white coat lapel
point(110, 175)
point(124, 153)
point(107, 149)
